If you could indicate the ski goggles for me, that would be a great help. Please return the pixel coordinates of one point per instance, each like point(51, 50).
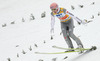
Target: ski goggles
point(54, 9)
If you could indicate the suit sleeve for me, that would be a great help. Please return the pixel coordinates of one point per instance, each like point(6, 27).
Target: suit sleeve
point(74, 17)
point(52, 21)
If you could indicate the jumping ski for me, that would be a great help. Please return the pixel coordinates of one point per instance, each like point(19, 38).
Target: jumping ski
point(93, 47)
point(75, 50)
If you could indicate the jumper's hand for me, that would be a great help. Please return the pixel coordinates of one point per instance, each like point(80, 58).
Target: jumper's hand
point(84, 22)
point(52, 33)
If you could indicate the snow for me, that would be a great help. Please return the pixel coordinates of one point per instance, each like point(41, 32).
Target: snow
point(21, 36)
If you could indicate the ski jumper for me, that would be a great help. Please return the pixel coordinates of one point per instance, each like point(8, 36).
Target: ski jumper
point(66, 19)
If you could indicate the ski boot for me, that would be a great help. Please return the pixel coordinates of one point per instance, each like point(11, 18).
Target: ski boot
point(80, 47)
point(70, 49)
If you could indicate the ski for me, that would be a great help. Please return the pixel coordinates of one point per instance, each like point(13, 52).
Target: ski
point(54, 52)
point(71, 48)
point(75, 50)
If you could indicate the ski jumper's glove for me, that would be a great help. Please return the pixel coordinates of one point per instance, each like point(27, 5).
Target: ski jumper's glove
point(84, 22)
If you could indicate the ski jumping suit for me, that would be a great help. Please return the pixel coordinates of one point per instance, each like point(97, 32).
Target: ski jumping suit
point(66, 25)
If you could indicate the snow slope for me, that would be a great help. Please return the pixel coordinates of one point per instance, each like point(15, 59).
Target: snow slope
point(23, 36)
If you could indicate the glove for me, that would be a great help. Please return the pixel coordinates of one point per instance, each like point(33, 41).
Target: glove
point(84, 22)
point(52, 30)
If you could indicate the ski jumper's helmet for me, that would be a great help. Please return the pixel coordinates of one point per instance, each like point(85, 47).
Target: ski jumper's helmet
point(54, 6)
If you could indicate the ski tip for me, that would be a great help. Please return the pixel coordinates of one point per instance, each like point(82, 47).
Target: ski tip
point(53, 46)
point(36, 52)
point(93, 48)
